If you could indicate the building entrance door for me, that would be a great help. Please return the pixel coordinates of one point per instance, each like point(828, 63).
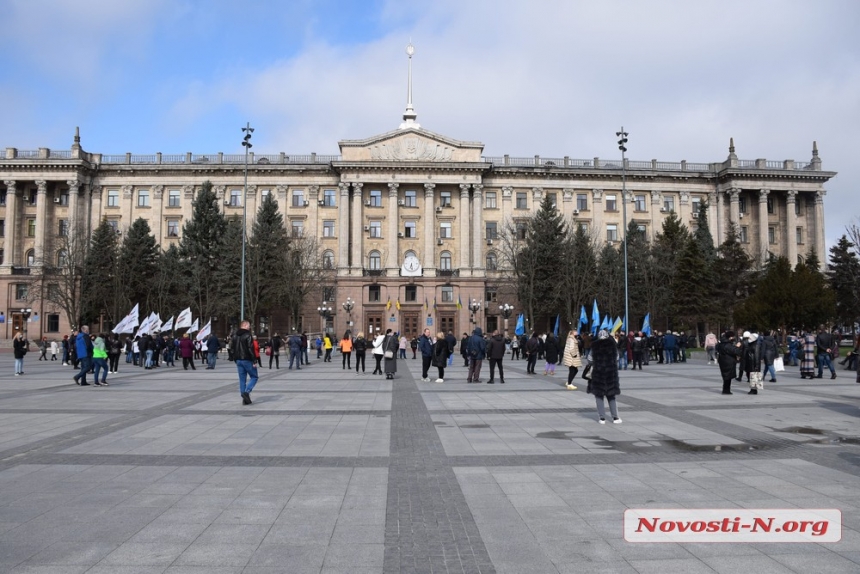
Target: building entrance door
point(374, 323)
point(411, 328)
point(446, 323)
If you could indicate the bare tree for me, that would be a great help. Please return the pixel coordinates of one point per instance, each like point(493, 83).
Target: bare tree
point(59, 272)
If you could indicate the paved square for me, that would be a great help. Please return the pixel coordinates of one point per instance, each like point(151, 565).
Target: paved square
point(330, 471)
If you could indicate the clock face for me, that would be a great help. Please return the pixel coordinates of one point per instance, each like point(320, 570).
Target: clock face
point(411, 263)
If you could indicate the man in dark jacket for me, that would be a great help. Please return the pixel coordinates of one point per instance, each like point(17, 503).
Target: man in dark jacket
point(295, 343)
point(213, 345)
point(243, 355)
point(452, 344)
point(425, 345)
point(477, 349)
point(84, 349)
point(496, 353)
point(531, 349)
point(825, 345)
point(275, 345)
point(728, 352)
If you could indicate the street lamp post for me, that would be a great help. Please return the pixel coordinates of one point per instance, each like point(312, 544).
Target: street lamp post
point(246, 143)
point(25, 314)
point(622, 145)
point(506, 311)
point(474, 307)
point(348, 306)
point(324, 312)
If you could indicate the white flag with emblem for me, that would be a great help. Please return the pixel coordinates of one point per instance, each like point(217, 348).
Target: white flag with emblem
point(183, 320)
point(205, 331)
point(194, 326)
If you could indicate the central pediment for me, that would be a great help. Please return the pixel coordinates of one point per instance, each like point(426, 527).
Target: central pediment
point(411, 144)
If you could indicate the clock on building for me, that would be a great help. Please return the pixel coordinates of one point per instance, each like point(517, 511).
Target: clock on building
point(411, 267)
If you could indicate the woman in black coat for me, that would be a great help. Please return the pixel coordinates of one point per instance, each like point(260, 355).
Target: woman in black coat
point(550, 349)
point(604, 375)
point(728, 352)
point(441, 351)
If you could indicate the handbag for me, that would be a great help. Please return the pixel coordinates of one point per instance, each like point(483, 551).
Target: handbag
point(269, 351)
point(756, 380)
point(389, 354)
point(778, 364)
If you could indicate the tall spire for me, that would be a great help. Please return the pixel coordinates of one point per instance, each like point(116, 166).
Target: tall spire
point(409, 115)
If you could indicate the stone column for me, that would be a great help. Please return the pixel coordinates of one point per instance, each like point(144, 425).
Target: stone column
point(597, 215)
point(477, 225)
point(42, 257)
point(567, 203)
point(464, 260)
point(74, 187)
point(429, 256)
point(819, 227)
point(343, 231)
point(762, 225)
point(281, 198)
point(507, 205)
point(791, 224)
point(96, 206)
point(357, 250)
point(157, 209)
point(393, 224)
point(656, 204)
point(734, 208)
point(11, 223)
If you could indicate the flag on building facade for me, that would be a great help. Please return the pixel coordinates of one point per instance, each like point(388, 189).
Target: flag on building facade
point(397, 303)
point(459, 303)
point(388, 304)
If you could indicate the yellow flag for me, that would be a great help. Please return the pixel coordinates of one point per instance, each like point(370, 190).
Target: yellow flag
point(397, 304)
point(388, 305)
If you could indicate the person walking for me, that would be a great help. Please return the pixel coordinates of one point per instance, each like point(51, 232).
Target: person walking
point(328, 347)
point(54, 349)
point(477, 348)
point(571, 358)
point(213, 345)
point(403, 343)
point(451, 339)
point(729, 352)
point(66, 344)
point(711, 348)
point(768, 353)
point(43, 349)
point(425, 344)
point(360, 348)
point(378, 352)
point(604, 376)
point(84, 353)
point(20, 346)
point(464, 351)
point(550, 351)
point(496, 353)
point(275, 351)
point(825, 342)
point(186, 351)
point(243, 356)
point(389, 346)
point(303, 352)
point(100, 355)
point(346, 351)
point(413, 344)
point(441, 351)
point(807, 357)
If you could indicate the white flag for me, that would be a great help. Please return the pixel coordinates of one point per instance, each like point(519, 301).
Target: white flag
point(156, 324)
point(205, 331)
point(149, 323)
point(167, 326)
point(183, 320)
point(194, 326)
point(128, 323)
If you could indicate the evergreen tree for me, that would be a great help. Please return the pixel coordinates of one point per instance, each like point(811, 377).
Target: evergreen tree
point(228, 274)
point(578, 268)
point(201, 250)
point(733, 277)
point(648, 291)
point(693, 286)
point(137, 265)
point(813, 302)
point(669, 245)
point(545, 238)
point(170, 285)
point(610, 281)
point(267, 260)
point(772, 303)
point(844, 276)
point(702, 234)
point(99, 280)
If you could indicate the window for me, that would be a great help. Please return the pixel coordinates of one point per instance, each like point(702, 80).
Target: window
point(297, 227)
point(173, 228)
point(445, 198)
point(522, 200)
point(798, 235)
point(668, 203)
point(2, 227)
point(696, 204)
point(328, 260)
point(30, 258)
point(797, 206)
point(744, 234)
point(445, 230)
point(115, 224)
point(2, 252)
point(374, 294)
point(64, 198)
point(375, 260)
point(583, 226)
point(492, 230)
point(770, 205)
point(611, 232)
point(298, 198)
point(33, 196)
point(328, 293)
point(639, 203)
point(329, 198)
point(411, 294)
point(490, 200)
point(581, 202)
point(375, 198)
point(53, 323)
point(21, 291)
point(553, 199)
point(410, 198)
point(265, 193)
point(143, 198)
point(328, 228)
point(742, 204)
point(410, 229)
point(491, 296)
point(771, 234)
point(522, 229)
point(31, 228)
point(3, 197)
point(173, 198)
point(63, 227)
point(376, 229)
point(235, 198)
point(447, 294)
point(445, 261)
point(642, 229)
point(113, 198)
point(62, 258)
point(611, 203)
point(491, 261)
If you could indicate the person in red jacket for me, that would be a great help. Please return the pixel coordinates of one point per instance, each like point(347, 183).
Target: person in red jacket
point(186, 351)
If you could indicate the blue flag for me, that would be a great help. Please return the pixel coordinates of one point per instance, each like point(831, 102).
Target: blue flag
point(646, 325)
point(607, 323)
point(595, 318)
point(520, 329)
point(557, 320)
point(583, 318)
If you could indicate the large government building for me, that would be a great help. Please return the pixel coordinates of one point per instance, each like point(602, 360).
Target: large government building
point(408, 218)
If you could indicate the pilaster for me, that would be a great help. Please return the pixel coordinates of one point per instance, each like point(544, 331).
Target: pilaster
point(357, 250)
point(734, 207)
point(429, 256)
point(597, 214)
point(343, 230)
point(463, 232)
point(507, 204)
point(477, 225)
point(313, 221)
point(251, 205)
point(713, 223)
point(42, 257)
point(819, 226)
point(656, 219)
point(74, 198)
point(97, 206)
point(393, 224)
point(567, 203)
point(157, 210)
point(791, 224)
point(12, 223)
point(763, 243)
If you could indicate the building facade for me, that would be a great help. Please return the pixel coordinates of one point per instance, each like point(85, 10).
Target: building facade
point(409, 220)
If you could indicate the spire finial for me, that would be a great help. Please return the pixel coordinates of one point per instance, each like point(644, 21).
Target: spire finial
point(814, 149)
point(731, 145)
point(409, 115)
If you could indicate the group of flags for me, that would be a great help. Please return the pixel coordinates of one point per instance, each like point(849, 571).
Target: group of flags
point(153, 324)
point(596, 322)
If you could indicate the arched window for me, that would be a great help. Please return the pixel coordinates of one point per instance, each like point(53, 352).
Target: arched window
point(445, 261)
point(492, 264)
point(375, 260)
point(30, 258)
point(62, 258)
point(409, 253)
point(328, 260)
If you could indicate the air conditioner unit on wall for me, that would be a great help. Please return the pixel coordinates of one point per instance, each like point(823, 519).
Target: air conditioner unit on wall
point(400, 234)
point(367, 203)
point(226, 202)
point(307, 203)
point(489, 241)
point(367, 228)
point(439, 209)
point(740, 215)
point(576, 212)
point(663, 210)
point(321, 202)
point(57, 200)
point(440, 242)
point(695, 215)
point(401, 202)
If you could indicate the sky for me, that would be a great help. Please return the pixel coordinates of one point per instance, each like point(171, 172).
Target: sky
point(540, 77)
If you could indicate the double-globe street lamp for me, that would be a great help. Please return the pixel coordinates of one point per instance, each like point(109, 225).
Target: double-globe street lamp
point(474, 307)
point(324, 312)
point(506, 310)
point(348, 306)
point(622, 145)
point(246, 143)
point(25, 314)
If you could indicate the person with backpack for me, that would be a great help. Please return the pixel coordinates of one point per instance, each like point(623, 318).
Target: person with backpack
point(360, 348)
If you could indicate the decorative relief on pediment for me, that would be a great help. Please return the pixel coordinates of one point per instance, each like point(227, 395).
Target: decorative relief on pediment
point(411, 149)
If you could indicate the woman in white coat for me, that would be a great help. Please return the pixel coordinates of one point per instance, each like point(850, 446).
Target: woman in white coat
point(377, 352)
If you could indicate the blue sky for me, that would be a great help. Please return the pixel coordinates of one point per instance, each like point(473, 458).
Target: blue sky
point(543, 77)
